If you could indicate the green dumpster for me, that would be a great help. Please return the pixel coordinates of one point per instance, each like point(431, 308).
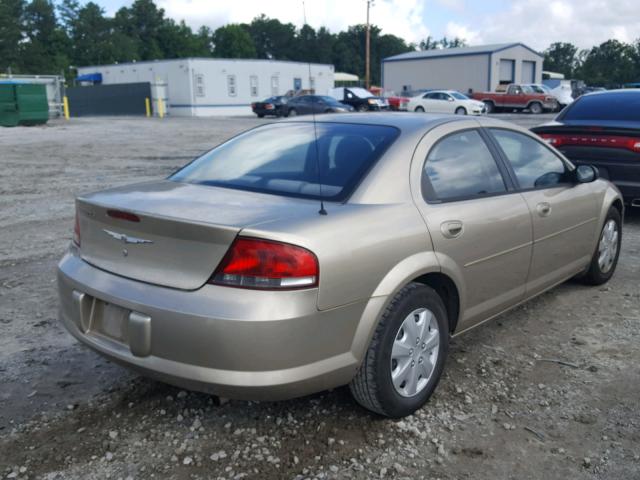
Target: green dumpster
point(23, 104)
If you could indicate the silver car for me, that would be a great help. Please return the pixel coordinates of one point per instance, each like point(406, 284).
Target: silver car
point(300, 256)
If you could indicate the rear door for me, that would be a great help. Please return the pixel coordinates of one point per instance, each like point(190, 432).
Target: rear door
point(564, 214)
point(479, 225)
point(431, 102)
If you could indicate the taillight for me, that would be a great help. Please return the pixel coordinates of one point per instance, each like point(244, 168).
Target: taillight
point(265, 264)
point(269, 106)
point(610, 141)
point(76, 230)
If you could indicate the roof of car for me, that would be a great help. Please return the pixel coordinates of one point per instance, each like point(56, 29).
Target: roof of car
point(405, 121)
point(619, 91)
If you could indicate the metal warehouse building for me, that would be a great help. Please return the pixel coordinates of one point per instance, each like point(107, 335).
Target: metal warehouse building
point(480, 68)
point(214, 86)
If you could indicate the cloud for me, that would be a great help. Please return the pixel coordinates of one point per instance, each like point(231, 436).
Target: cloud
point(538, 24)
point(403, 18)
point(457, 30)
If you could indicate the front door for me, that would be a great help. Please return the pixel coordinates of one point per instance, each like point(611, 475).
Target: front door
point(480, 226)
point(564, 214)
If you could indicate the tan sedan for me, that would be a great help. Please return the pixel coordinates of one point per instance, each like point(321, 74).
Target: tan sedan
point(298, 257)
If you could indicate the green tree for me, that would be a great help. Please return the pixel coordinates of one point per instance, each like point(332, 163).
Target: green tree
point(46, 45)
point(178, 41)
point(431, 43)
point(609, 64)
point(142, 22)
point(233, 41)
point(273, 39)
point(11, 33)
point(561, 57)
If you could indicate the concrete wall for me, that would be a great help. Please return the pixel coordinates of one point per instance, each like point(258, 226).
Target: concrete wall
point(460, 72)
point(517, 53)
point(200, 87)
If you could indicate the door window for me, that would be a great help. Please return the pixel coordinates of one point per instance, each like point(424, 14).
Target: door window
point(534, 164)
point(460, 166)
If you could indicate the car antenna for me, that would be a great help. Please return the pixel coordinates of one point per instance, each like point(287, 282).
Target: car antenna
point(322, 211)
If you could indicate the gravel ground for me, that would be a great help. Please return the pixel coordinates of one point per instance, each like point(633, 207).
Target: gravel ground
point(549, 390)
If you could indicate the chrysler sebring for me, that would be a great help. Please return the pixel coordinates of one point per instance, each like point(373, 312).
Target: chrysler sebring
point(298, 257)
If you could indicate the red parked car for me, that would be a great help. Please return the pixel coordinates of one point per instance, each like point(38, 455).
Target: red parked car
point(396, 102)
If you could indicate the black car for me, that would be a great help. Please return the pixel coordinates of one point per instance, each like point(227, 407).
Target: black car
point(602, 129)
point(306, 104)
point(276, 106)
point(360, 99)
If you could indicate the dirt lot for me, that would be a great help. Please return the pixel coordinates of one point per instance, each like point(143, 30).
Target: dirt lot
point(550, 390)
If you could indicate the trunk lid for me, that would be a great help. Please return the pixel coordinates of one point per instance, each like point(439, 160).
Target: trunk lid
point(169, 233)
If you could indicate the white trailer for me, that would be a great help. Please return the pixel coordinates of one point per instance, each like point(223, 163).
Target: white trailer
point(217, 86)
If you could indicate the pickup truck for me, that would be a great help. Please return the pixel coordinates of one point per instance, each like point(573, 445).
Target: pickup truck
point(517, 97)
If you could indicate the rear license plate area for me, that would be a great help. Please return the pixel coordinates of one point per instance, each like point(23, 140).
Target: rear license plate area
point(109, 320)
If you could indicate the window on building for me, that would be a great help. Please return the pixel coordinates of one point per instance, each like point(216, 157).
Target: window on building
point(231, 85)
point(275, 85)
point(253, 85)
point(199, 87)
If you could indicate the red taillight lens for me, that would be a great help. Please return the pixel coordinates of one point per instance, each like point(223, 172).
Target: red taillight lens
point(76, 231)
point(591, 140)
point(255, 263)
point(120, 215)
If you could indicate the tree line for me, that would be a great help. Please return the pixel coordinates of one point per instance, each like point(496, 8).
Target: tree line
point(610, 64)
point(40, 37)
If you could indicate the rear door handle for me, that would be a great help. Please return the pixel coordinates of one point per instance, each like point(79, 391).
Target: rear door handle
point(452, 228)
point(543, 209)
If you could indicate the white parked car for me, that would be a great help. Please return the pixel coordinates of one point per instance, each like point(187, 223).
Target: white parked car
point(445, 101)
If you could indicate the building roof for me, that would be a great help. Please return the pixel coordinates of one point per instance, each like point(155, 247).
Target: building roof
point(458, 51)
point(208, 59)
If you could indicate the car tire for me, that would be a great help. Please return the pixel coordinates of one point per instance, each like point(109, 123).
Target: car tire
point(260, 115)
point(419, 110)
point(535, 108)
point(362, 108)
point(461, 111)
point(605, 258)
point(373, 386)
point(489, 107)
point(292, 112)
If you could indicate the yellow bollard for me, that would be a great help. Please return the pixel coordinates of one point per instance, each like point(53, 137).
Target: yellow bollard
point(147, 106)
point(65, 107)
point(160, 108)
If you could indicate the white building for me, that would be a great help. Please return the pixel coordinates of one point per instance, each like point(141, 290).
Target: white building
point(480, 68)
point(216, 86)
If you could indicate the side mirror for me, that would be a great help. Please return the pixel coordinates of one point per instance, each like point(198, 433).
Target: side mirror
point(450, 99)
point(586, 173)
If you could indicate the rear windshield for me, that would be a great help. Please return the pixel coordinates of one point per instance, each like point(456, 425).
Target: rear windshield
point(283, 159)
point(621, 106)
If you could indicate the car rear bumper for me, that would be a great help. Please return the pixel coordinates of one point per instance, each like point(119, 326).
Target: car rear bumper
point(247, 344)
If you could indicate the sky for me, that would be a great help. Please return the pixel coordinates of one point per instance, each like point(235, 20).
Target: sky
point(536, 23)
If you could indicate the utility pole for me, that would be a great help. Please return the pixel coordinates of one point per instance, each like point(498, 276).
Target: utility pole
point(367, 76)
